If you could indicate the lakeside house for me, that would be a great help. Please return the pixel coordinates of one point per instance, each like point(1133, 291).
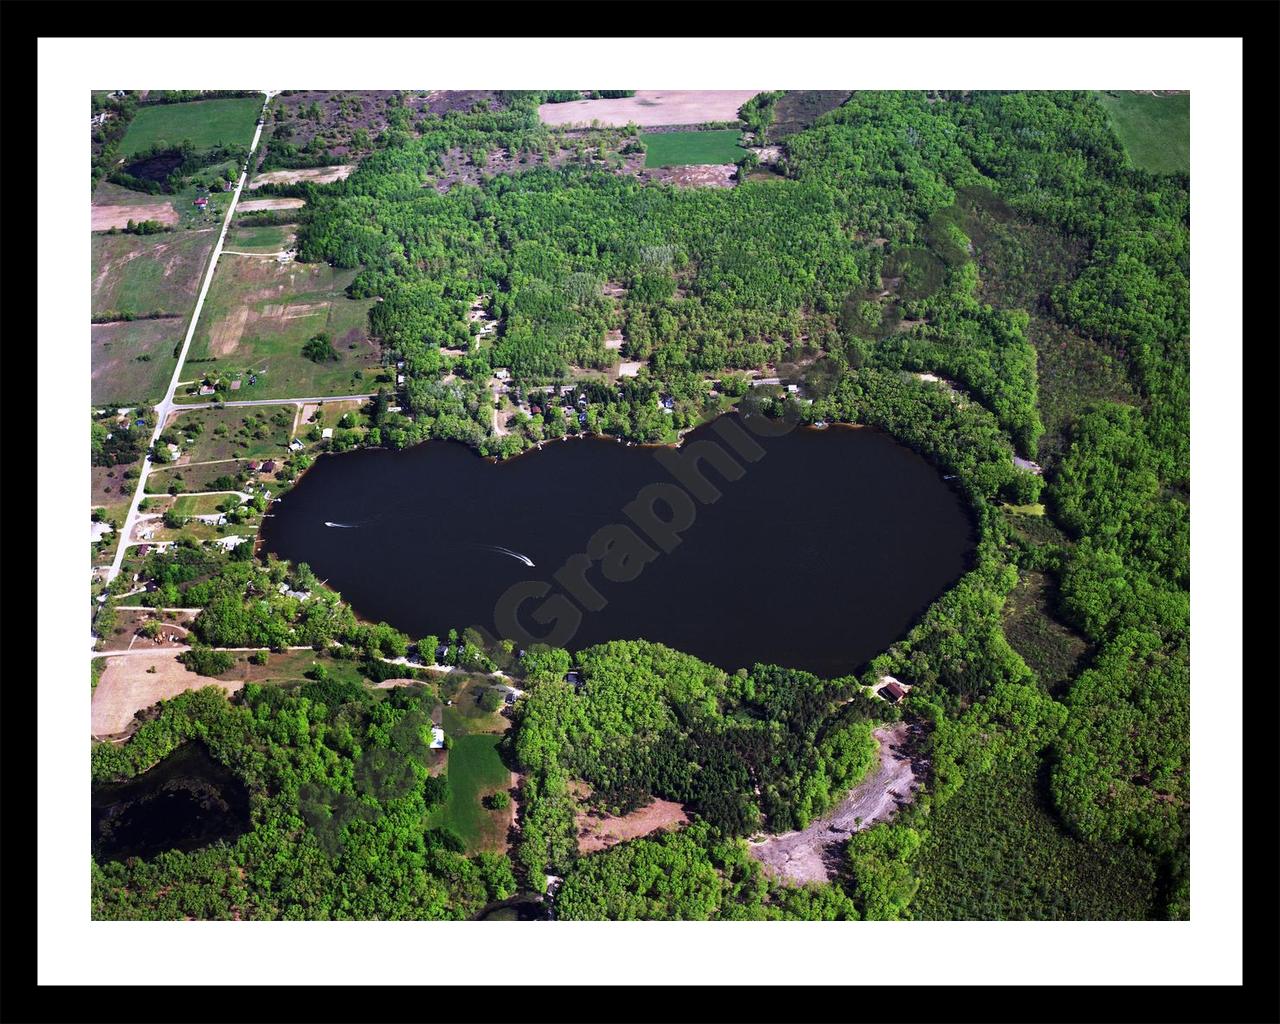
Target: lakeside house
point(267, 467)
point(437, 738)
point(891, 689)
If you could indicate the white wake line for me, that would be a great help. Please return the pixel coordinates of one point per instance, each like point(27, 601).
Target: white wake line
point(514, 554)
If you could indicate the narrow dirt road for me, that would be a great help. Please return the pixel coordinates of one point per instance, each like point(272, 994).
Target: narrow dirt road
point(808, 855)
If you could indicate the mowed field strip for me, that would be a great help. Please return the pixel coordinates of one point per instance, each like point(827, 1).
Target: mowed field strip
point(670, 149)
point(651, 107)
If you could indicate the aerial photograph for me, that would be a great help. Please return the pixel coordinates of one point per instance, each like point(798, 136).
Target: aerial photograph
point(616, 505)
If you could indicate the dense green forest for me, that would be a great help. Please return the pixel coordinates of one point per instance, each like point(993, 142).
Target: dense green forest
point(1001, 241)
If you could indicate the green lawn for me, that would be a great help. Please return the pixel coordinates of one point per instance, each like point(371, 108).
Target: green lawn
point(206, 123)
point(199, 504)
point(1155, 130)
point(474, 771)
point(668, 149)
point(258, 316)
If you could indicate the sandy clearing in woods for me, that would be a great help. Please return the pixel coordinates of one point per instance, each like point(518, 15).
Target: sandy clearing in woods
point(807, 856)
point(650, 107)
point(315, 175)
point(598, 831)
point(270, 204)
point(126, 687)
point(107, 217)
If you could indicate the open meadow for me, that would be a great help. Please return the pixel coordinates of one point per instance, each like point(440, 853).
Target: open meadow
point(259, 315)
point(206, 123)
point(148, 273)
point(133, 361)
point(1155, 130)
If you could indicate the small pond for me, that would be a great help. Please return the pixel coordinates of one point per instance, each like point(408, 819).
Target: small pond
point(187, 801)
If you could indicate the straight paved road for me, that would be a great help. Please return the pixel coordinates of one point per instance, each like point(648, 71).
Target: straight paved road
point(166, 406)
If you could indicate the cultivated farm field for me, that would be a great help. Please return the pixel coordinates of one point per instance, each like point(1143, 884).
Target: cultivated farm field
point(260, 313)
point(651, 107)
point(206, 123)
point(667, 149)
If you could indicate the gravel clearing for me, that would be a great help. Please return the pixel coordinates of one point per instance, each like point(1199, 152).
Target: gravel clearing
point(809, 855)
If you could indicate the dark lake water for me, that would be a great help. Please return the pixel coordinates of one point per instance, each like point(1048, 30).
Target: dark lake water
point(187, 801)
point(823, 551)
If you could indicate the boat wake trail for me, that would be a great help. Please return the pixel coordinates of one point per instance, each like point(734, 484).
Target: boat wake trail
point(509, 553)
point(343, 526)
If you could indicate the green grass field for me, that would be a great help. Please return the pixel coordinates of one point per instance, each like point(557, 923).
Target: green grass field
point(669, 149)
point(269, 238)
point(1155, 130)
point(199, 504)
point(474, 771)
point(258, 316)
point(133, 362)
point(206, 123)
point(144, 273)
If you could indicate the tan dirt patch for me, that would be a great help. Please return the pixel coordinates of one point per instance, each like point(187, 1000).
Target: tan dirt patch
point(651, 107)
point(600, 831)
point(695, 175)
point(107, 217)
point(629, 369)
point(126, 687)
point(224, 336)
point(270, 204)
point(315, 175)
point(301, 309)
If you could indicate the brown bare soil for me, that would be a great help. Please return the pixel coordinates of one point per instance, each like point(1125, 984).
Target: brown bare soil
point(126, 687)
point(129, 621)
point(651, 108)
point(597, 831)
point(224, 336)
point(689, 175)
point(810, 855)
point(272, 204)
point(107, 217)
point(315, 175)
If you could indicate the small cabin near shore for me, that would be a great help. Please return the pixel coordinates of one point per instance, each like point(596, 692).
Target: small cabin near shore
point(891, 689)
